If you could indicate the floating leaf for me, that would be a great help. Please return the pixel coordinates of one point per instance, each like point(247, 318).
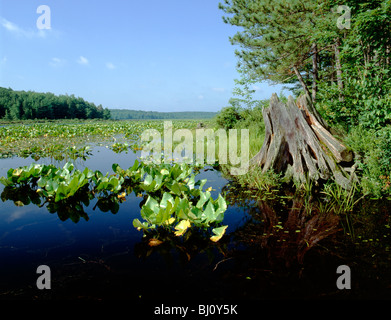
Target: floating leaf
point(219, 232)
point(167, 197)
point(175, 188)
point(5, 182)
point(152, 204)
point(204, 197)
point(209, 213)
point(139, 226)
point(148, 179)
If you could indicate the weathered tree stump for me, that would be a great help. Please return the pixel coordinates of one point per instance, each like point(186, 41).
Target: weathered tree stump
point(298, 145)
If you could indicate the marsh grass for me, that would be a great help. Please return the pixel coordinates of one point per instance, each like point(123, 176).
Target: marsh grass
point(343, 202)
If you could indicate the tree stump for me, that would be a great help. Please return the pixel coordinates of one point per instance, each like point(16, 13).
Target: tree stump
point(298, 145)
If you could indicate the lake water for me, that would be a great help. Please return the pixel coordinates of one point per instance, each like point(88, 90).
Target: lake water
point(103, 256)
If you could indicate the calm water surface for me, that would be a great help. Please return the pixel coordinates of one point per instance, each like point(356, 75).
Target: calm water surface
point(105, 257)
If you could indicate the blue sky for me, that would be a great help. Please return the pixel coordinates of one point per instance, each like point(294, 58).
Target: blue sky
point(156, 55)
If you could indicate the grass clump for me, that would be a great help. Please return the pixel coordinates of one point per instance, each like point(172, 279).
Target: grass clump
point(373, 157)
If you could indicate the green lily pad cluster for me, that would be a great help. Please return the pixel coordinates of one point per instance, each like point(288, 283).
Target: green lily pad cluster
point(58, 184)
point(174, 200)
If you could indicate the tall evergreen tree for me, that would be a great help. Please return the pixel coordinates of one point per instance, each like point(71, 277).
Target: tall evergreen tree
point(281, 40)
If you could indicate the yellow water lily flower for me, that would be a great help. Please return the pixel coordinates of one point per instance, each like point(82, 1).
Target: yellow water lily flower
point(181, 227)
point(170, 221)
point(122, 196)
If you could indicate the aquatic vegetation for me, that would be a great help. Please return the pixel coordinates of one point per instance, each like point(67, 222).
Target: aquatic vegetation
point(174, 199)
point(342, 200)
point(67, 139)
point(120, 147)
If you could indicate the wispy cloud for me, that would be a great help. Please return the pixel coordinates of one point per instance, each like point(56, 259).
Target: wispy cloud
point(9, 25)
point(3, 60)
point(110, 66)
point(218, 89)
point(83, 60)
point(20, 32)
point(57, 62)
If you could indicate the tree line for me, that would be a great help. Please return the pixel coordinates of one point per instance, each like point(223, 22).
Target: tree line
point(120, 114)
point(24, 105)
point(337, 52)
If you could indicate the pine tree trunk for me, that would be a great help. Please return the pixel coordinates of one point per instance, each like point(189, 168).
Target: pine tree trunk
point(339, 68)
point(301, 80)
point(298, 146)
point(315, 74)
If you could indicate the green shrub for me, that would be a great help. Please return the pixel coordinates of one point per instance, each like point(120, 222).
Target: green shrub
point(374, 150)
point(366, 100)
point(228, 117)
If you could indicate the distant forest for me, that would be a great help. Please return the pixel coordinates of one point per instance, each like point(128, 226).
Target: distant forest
point(22, 105)
point(121, 114)
point(25, 105)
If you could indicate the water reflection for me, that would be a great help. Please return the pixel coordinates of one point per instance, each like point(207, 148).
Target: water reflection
point(284, 228)
point(73, 208)
point(168, 246)
point(289, 236)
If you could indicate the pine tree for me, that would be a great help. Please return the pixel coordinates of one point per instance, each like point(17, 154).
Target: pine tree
point(281, 40)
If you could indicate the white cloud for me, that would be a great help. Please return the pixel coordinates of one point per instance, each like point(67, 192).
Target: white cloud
point(20, 32)
point(56, 62)
point(201, 97)
point(110, 66)
point(9, 25)
point(83, 60)
point(218, 89)
point(4, 60)
point(256, 88)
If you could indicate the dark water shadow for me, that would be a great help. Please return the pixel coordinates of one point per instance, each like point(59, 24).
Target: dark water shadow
point(290, 247)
